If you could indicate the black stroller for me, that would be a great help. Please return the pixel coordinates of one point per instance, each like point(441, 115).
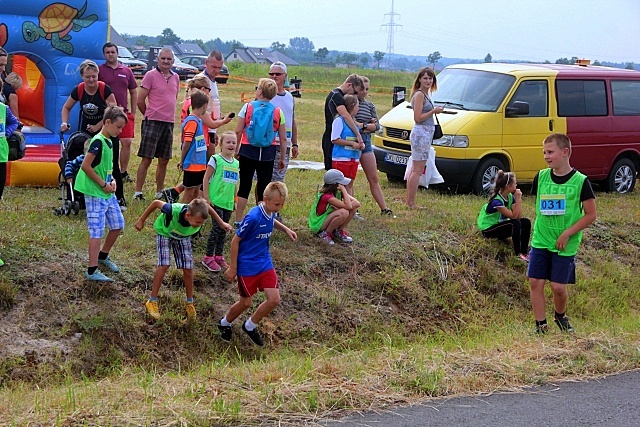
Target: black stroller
point(72, 200)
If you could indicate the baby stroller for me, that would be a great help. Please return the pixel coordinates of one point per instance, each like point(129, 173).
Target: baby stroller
point(71, 156)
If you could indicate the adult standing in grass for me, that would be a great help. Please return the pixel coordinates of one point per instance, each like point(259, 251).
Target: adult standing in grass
point(422, 131)
point(157, 100)
point(565, 205)
point(334, 105)
point(284, 101)
point(212, 66)
point(367, 117)
point(122, 82)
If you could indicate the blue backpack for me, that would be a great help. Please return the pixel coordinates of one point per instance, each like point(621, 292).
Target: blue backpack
point(259, 129)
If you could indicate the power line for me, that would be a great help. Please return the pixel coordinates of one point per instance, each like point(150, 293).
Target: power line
point(391, 27)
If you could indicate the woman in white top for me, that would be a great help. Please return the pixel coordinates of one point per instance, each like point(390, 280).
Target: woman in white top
point(422, 132)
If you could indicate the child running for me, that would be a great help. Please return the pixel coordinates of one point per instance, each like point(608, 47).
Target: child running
point(565, 205)
point(345, 155)
point(219, 189)
point(501, 217)
point(333, 208)
point(250, 262)
point(174, 226)
point(96, 182)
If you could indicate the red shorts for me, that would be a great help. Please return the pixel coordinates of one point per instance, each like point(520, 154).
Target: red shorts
point(127, 130)
point(250, 285)
point(349, 167)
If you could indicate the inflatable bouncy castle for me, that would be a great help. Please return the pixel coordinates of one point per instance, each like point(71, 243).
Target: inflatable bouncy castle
point(46, 41)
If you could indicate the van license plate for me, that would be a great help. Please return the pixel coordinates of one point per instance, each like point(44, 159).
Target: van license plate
point(395, 158)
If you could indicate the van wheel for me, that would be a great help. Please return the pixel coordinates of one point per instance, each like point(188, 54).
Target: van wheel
point(395, 178)
point(485, 174)
point(622, 177)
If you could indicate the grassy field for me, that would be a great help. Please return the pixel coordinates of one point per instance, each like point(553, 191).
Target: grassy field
point(417, 307)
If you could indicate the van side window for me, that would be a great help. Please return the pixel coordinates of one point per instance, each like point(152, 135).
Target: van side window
point(579, 98)
point(626, 97)
point(534, 93)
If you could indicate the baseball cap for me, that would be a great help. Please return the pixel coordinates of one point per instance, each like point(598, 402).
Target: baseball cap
point(334, 176)
point(279, 64)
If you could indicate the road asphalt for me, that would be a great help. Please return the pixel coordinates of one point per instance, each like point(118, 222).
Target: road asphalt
point(610, 401)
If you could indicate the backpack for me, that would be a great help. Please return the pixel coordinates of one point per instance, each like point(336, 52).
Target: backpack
point(101, 86)
point(259, 129)
point(17, 146)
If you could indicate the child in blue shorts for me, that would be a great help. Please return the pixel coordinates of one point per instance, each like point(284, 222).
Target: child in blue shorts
point(565, 205)
point(96, 182)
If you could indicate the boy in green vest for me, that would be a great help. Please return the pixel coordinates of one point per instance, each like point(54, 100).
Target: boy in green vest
point(565, 205)
point(96, 182)
point(174, 226)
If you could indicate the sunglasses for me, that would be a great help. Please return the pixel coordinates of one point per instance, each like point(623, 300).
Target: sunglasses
point(275, 74)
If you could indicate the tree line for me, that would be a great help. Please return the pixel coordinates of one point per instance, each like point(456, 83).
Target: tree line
point(303, 50)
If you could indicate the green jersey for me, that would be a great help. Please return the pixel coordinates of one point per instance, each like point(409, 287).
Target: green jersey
point(175, 226)
point(86, 185)
point(222, 187)
point(487, 220)
point(558, 207)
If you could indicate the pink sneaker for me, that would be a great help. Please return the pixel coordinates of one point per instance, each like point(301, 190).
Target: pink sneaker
point(210, 263)
point(219, 259)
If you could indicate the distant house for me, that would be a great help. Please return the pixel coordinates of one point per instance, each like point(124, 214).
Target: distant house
point(258, 55)
point(185, 49)
point(116, 38)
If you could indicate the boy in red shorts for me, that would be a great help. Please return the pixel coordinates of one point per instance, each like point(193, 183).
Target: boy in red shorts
point(250, 263)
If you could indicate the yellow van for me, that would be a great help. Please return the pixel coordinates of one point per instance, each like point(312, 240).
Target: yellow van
point(496, 116)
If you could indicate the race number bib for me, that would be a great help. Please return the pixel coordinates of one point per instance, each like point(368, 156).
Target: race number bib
point(553, 204)
point(200, 144)
point(230, 176)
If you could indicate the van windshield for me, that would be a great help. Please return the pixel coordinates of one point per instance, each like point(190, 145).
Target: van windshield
point(472, 89)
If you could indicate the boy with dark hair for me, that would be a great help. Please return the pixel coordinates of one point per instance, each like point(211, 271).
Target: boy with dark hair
point(565, 205)
point(174, 227)
point(193, 159)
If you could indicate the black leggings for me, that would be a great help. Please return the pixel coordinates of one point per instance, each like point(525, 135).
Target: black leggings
point(263, 170)
point(215, 244)
point(518, 229)
point(116, 168)
point(3, 177)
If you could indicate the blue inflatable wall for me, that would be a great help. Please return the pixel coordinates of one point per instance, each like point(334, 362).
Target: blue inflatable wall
point(57, 36)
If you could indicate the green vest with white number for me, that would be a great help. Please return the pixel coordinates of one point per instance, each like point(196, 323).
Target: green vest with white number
point(549, 226)
point(86, 185)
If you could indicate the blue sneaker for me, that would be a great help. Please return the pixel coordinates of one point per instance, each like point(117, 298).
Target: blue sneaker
point(97, 276)
point(109, 264)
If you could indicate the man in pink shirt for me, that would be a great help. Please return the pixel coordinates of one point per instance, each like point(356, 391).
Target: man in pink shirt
point(122, 83)
point(157, 98)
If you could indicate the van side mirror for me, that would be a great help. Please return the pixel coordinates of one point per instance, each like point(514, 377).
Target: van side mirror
point(518, 108)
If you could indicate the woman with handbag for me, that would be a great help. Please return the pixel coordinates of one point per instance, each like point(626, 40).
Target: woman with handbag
point(424, 112)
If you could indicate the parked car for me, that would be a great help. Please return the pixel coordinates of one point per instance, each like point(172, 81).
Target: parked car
point(126, 58)
point(198, 62)
point(184, 70)
point(496, 116)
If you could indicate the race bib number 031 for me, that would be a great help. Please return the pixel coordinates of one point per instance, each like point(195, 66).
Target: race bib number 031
point(553, 204)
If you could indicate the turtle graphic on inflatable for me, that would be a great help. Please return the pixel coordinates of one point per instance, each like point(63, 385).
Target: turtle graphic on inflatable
point(56, 21)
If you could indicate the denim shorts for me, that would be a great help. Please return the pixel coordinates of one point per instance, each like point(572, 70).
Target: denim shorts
point(101, 212)
point(544, 264)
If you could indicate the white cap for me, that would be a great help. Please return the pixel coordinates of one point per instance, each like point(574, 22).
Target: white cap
point(279, 64)
point(334, 176)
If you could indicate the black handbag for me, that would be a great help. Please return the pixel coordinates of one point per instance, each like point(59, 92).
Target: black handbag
point(437, 133)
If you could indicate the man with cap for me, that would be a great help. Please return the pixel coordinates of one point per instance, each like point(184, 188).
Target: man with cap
point(284, 100)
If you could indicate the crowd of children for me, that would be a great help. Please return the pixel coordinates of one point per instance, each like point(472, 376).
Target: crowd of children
point(565, 205)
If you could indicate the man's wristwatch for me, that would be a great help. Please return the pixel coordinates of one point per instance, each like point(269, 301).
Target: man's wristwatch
point(364, 126)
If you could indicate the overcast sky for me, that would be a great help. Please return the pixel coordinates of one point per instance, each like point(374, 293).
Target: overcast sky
point(534, 30)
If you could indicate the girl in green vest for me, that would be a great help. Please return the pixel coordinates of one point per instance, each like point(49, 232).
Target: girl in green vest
point(501, 217)
point(95, 180)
